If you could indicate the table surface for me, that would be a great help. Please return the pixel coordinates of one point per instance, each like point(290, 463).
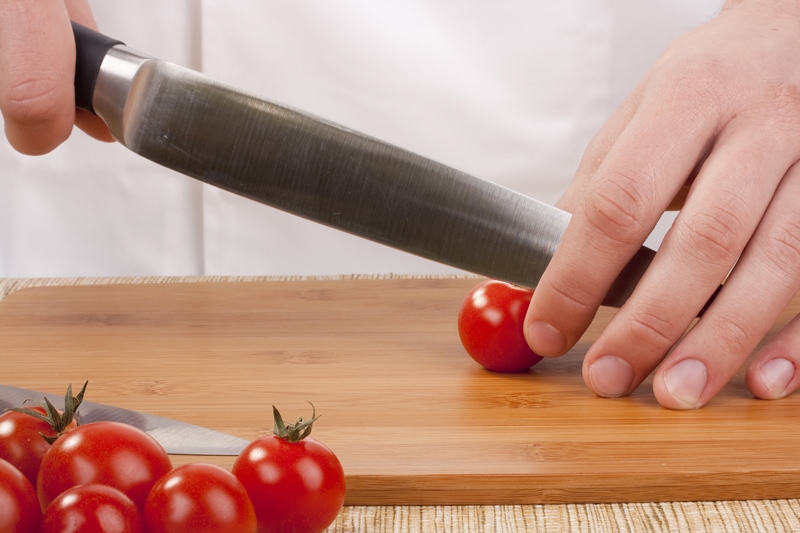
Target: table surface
point(752, 515)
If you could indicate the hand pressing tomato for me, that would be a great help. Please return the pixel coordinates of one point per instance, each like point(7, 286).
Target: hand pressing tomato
point(19, 508)
point(490, 326)
point(199, 498)
point(108, 453)
point(26, 432)
point(295, 482)
point(92, 508)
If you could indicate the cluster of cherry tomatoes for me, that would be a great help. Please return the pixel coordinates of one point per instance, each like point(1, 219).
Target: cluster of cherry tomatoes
point(490, 326)
point(57, 476)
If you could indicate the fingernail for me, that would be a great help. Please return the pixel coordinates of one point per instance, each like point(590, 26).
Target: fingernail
point(545, 340)
point(776, 375)
point(610, 376)
point(686, 382)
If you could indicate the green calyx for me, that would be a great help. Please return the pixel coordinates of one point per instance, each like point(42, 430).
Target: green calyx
point(57, 420)
point(293, 432)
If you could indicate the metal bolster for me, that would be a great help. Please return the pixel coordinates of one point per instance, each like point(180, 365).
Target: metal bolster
point(115, 81)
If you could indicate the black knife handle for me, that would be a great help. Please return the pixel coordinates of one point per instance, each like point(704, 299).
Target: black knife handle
point(91, 48)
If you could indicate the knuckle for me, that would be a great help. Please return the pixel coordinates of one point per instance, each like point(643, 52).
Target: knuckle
point(616, 206)
point(698, 81)
point(653, 330)
point(713, 236)
point(32, 101)
point(576, 298)
point(785, 102)
point(733, 337)
point(782, 246)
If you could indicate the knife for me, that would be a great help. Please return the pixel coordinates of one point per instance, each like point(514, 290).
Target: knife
point(319, 170)
point(178, 438)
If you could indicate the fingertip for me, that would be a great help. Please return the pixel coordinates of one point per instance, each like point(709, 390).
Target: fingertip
point(609, 376)
point(682, 386)
point(771, 379)
point(545, 339)
point(558, 314)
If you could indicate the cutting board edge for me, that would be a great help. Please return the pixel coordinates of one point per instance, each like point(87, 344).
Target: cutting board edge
point(503, 489)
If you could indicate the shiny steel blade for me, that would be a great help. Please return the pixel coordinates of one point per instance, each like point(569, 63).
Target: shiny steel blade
point(176, 437)
point(318, 170)
point(322, 171)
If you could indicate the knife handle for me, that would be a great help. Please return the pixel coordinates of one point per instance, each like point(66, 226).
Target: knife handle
point(90, 49)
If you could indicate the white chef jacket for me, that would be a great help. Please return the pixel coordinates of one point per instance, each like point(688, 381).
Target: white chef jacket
point(508, 90)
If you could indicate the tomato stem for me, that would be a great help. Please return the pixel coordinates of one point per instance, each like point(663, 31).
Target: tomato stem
point(293, 432)
point(59, 421)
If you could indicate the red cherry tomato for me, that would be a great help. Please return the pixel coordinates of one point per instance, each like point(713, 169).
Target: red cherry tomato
point(21, 441)
point(92, 508)
point(295, 482)
point(198, 498)
point(19, 508)
point(490, 326)
point(108, 453)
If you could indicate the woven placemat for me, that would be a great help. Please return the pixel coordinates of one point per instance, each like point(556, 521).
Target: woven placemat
point(756, 516)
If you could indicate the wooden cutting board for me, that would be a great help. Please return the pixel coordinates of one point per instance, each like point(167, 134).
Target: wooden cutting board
point(412, 418)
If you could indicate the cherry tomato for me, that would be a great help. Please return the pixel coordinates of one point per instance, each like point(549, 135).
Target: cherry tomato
point(92, 508)
point(26, 432)
point(21, 441)
point(19, 508)
point(108, 453)
point(199, 498)
point(295, 482)
point(490, 326)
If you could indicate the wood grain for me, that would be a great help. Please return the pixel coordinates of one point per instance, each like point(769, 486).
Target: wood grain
point(413, 419)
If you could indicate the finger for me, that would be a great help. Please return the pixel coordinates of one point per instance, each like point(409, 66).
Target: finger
point(773, 372)
point(81, 12)
point(757, 290)
point(92, 125)
point(37, 67)
point(619, 206)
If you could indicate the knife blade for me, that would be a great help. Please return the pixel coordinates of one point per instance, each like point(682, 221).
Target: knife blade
point(178, 438)
point(319, 170)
